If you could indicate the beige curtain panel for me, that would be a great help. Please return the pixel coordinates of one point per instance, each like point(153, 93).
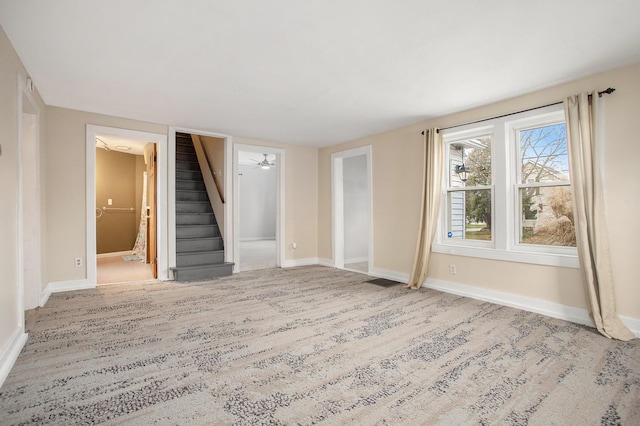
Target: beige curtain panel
point(431, 189)
point(581, 114)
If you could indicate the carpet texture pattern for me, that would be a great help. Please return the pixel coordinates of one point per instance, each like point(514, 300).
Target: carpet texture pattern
point(310, 345)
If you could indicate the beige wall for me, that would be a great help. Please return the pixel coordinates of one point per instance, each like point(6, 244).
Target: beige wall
point(117, 179)
point(11, 69)
point(66, 182)
point(214, 147)
point(301, 218)
point(396, 183)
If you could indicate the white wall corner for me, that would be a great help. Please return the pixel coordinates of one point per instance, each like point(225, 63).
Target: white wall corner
point(322, 261)
point(44, 296)
point(10, 352)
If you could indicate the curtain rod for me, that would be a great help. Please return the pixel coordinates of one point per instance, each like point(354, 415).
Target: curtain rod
point(607, 91)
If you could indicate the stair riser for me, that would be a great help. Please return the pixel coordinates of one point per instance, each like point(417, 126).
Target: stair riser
point(188, 149)
point(181, 156)
point(193, 207)
point(189, 175)
point(191, 196)
point(195, 219)
point(205, 258)
point(189, 185)
point(199, 244)
point(197, 231)
point(187, 165)
point(203, 273)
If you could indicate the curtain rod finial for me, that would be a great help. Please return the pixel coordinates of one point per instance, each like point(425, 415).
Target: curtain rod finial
point(609, 91)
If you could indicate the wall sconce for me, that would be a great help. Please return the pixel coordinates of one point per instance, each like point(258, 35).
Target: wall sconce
point(462, 172)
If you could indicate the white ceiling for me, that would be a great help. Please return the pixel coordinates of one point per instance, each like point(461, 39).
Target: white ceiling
point(313, 72)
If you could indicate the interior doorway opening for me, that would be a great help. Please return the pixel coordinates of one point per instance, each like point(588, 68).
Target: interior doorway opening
point(258, 204)
point(352, 207)
point(114, 204)
point(125, 191)
point(29, 200)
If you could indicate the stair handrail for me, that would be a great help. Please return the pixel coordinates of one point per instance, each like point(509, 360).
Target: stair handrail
point(212, 185)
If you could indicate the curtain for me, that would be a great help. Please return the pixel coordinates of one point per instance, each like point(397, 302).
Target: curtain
point(140, 246)
point(431, 190)
point(589, 219)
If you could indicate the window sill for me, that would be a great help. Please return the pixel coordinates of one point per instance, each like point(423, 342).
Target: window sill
point(548, 259)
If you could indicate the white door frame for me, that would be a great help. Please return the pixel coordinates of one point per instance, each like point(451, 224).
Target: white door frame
point(29, 285)
point(162, 206)
point(280, 205)
point(227, 232)
point(337, 196)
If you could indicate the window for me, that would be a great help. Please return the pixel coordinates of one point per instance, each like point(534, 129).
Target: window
point(507, 190)
point(469, 192)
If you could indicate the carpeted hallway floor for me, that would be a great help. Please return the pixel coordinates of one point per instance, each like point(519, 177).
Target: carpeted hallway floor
point(311, 345)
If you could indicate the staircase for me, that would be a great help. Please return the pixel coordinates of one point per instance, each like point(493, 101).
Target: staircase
point(199, 246)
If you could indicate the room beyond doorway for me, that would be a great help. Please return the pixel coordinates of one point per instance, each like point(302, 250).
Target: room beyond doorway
point(258, 207)
point(116, 268)
point(352, 209)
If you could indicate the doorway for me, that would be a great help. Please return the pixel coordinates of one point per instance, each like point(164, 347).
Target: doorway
point(125, 210)
point(352, 207)
point(258, 206)
point(119, 200)
point(29, 198)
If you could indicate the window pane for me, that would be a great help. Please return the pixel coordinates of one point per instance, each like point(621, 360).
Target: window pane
point(475, 155)
point(543, 154)
point(469, 215)
point(547, 216)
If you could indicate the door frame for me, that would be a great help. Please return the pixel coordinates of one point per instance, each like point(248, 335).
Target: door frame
point(337, 198)
point(280, 200)
point(26, 102)
point(161, 203)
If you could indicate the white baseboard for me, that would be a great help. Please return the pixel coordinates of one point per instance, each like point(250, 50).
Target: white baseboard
point(632, 324)
point(550, 309)
point(10, 352)
point(356, 260)
point(292, 263)
point(390, 275)
point(114, 254)
point(59, 286)
point(322, 261)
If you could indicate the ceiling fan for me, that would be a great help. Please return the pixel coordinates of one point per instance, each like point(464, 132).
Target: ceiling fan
point(265, 163)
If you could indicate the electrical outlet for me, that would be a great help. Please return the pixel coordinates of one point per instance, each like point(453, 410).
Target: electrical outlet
point(78, 262)
point(452, 269)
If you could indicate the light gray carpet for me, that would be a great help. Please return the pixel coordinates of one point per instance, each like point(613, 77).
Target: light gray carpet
point(311, 345)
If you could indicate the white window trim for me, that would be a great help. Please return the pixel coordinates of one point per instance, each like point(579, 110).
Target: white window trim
point(504, 245)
